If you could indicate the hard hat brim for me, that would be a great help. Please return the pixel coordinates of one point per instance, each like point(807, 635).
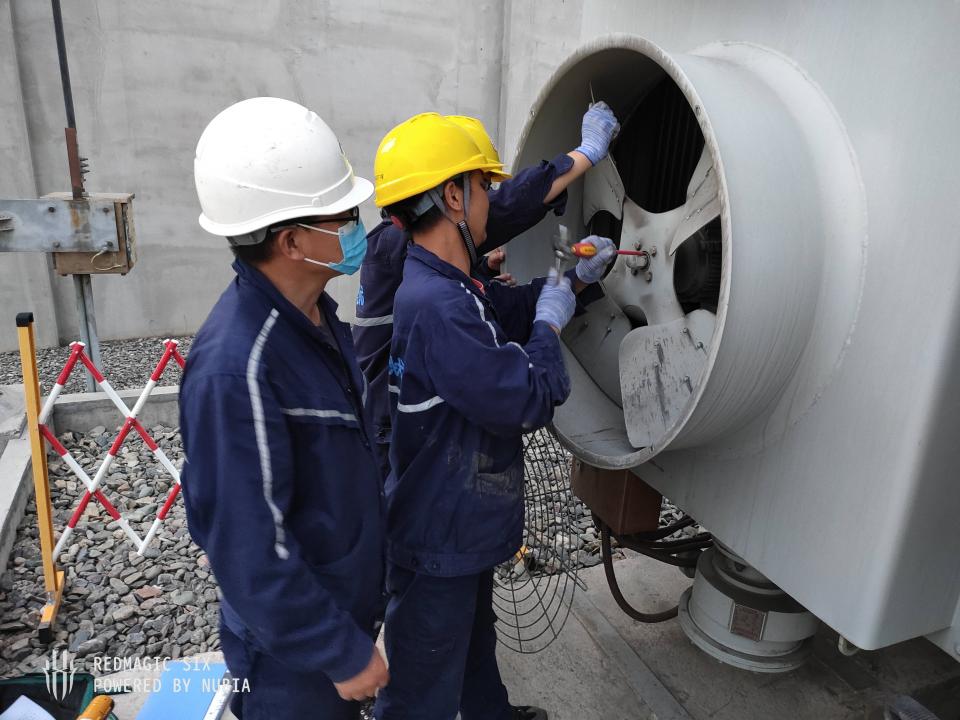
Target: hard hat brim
point(361, 191)
point(408, 188)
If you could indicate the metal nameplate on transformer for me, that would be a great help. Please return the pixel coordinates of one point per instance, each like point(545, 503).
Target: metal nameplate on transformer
point(747, 622)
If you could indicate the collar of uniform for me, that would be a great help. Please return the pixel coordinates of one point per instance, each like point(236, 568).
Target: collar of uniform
point(444, 268)
point(249, 274)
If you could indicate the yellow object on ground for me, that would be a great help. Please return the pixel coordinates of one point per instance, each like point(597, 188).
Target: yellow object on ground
point(52, 577)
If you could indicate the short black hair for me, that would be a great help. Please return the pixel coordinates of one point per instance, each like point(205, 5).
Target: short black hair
point(259, 253)
point(405, 210)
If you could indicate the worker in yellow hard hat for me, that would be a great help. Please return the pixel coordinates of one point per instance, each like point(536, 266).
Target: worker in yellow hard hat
point(519, 203)
point(472, 367)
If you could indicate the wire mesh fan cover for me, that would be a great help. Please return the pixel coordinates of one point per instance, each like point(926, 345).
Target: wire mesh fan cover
point(533, 591)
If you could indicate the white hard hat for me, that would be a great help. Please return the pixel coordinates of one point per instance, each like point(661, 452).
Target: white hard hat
point(266, 160)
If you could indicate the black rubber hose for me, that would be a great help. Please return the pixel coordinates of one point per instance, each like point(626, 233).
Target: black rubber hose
point(607, 555)
point(663, 556)
point(703, 540)
point(661, 533)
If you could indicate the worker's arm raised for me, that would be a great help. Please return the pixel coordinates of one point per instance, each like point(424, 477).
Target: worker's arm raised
point(598, 129)
point(239, 486)
point(523, 201)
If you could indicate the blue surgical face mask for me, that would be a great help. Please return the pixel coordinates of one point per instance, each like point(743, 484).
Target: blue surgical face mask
point(353, 243)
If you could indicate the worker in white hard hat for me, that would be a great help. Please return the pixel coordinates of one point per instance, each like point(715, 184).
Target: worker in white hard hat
point(281, 483)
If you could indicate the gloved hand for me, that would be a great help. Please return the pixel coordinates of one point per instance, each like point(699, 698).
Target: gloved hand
point(599, 127)
point(557, 302)
point(591, 269)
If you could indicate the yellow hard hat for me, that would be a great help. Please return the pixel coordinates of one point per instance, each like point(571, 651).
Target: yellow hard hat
point(422, 152)
point(478, 132)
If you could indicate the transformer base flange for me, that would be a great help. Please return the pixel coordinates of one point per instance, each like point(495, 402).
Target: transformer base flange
point(734, 614)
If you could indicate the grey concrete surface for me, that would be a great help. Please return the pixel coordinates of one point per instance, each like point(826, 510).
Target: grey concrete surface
point(12, 412)
point(25, 279)
point(14, 467)
point(80, 412)
point(829, 687)
point(15, 489)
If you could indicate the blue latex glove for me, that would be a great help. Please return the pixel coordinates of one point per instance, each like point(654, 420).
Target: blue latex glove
point(599, 127)
point(591, 270)
point(557, 302)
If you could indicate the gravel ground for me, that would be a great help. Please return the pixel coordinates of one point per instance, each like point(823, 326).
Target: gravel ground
point(117, 603)
point(126, 364)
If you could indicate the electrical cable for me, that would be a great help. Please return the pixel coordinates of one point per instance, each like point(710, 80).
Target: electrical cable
point(607, 555)
point(661, 556)
point(93, 261)
point(701, 540)
point(664, 532)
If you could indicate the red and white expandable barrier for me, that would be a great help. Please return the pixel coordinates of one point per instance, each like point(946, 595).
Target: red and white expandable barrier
point(131, 422)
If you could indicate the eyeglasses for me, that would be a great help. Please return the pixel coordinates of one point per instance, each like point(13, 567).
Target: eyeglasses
point(352, 216)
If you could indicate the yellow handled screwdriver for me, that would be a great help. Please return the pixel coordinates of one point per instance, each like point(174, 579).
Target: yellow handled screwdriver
point(585, 249)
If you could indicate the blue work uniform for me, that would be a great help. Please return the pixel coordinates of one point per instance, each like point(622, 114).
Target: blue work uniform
point(515, 206)
point(283, 492)
point(470, 372)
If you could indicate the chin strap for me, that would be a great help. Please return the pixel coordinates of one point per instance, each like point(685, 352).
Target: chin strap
point(437, 200)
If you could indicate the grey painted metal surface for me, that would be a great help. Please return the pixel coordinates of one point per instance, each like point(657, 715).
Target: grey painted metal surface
point(87, 317)
point(739, 617)
point(820, 444)
point(51, 225)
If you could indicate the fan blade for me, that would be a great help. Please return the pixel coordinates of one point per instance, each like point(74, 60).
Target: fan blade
point(660, 365)
point(603, 190)
point(645, 283)
point(703, 201)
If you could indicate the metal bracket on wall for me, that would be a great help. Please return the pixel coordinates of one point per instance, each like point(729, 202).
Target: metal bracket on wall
point(58, 225)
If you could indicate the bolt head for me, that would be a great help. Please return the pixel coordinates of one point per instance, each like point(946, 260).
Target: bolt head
point(653, 250)
point(51, 208)
point(649, 277)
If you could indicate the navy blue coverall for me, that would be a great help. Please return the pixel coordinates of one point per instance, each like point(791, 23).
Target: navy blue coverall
point(470, 372)
point(283, 492)
point(516, 206)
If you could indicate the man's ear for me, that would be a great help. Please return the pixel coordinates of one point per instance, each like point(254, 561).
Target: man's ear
point(453, 196)
point(286, 244)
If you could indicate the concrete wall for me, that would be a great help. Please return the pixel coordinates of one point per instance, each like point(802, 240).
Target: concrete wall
point(24, 278)
point(147, 77)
